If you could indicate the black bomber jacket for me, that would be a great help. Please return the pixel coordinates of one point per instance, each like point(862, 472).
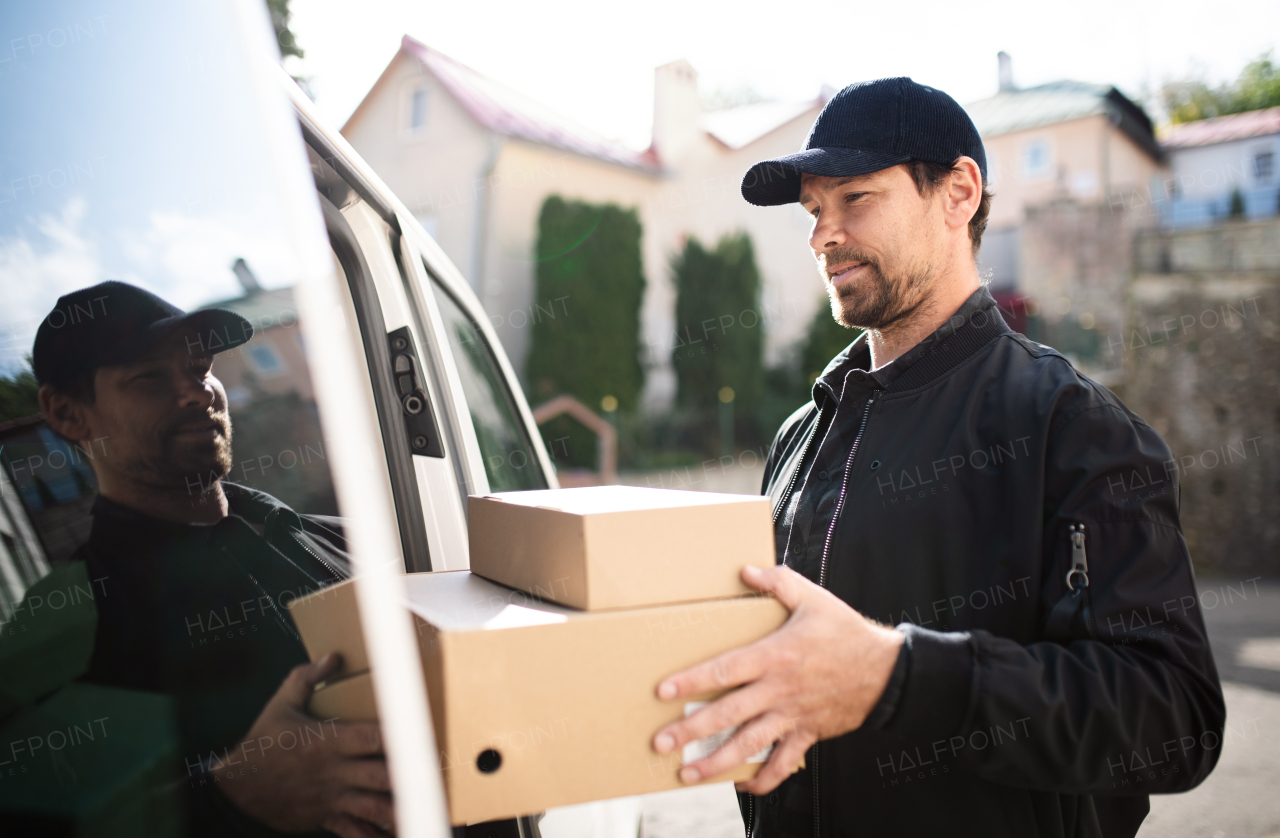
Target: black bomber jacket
point(951, 493)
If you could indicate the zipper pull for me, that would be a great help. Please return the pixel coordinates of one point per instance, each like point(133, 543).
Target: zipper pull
point(1079, 560)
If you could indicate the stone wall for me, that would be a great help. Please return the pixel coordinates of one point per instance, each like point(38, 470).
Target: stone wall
point(1076, 262)
point(1201, 350)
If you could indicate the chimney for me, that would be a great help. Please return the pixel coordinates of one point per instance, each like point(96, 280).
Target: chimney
point(676, 109)
point(1006, 72)
point(248, 281)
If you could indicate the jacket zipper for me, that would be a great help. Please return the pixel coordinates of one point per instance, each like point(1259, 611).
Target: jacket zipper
point(751, 813)
point(844, 487)
point(795, 473)
point(822, 580)
point(1080, 566)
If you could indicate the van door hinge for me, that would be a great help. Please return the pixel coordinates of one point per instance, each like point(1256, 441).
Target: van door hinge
point(415, 407)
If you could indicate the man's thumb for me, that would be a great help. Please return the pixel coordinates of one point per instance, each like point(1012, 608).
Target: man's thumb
point(781, 581)
point(302, 680)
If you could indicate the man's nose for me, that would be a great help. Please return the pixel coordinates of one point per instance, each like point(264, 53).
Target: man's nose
point(826, 234)
point(195, 390)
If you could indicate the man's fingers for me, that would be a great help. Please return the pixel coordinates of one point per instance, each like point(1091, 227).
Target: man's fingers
point(732, 669)
point(727, 711)
point(359, 739)
point(781, 765)
point(785, 584)
point(754, 737)
point(366, 774)
point(345, 826)
point(302, 680)
point(368, 806)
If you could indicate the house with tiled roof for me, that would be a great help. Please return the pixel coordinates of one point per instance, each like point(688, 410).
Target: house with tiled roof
point(474, 160)
point(1213, 159)
point(1062, 140)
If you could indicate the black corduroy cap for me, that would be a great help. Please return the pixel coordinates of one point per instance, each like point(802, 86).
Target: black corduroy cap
point(867, 127)
point(115, 323)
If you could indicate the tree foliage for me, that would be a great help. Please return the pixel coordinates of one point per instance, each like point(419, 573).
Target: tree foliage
point(18, 395)
point(1257, 87)
point(719, 336)
point(280, 15)
point(589, 284)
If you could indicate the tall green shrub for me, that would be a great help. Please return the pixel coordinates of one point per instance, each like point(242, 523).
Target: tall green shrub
point(824, 339)
point(589, 283)
point(719, 336)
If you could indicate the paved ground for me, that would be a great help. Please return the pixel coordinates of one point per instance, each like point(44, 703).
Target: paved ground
point(1241, 799)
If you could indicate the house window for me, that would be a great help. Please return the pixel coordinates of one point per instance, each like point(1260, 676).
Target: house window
point(1037, 160)
point(418, 110)
point(264, 359)
point(1264, 165)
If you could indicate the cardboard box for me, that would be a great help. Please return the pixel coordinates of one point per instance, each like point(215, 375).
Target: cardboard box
point(348, 700)
point(536, 705)
point(602, 547)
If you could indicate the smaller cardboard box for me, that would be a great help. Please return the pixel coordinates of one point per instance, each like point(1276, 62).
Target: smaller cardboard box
point(535, 705)
point(602, 547)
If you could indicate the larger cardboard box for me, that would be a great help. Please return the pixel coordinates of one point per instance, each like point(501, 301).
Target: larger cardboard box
point(602, 547)
point(536, 705)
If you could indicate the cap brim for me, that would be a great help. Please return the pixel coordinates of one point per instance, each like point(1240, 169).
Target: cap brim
point(777, 181)
point(217, 330)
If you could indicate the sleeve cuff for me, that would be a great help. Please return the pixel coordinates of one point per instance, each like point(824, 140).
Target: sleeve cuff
point(883, 712)
point(933, 692)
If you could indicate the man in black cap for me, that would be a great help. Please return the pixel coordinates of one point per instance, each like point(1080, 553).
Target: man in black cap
point(196, 572)
point(1049, 667)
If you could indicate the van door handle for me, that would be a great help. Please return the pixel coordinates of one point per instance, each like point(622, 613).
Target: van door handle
point(415, 407)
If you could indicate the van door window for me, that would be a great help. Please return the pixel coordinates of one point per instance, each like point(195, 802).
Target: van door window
point(509, 458)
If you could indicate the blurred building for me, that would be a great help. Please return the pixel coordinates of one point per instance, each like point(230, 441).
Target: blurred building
point(1076, 169)
point(46, 491)
point(475, 160)
point(276, 439)
point(23, 560)
point(1212, 160)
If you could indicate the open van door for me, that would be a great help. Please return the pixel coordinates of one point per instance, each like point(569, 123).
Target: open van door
point(235, 422)
point(450, 406)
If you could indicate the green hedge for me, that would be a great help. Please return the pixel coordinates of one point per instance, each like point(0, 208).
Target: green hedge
point(824, 340)
point(590, 274)
point(719, 337)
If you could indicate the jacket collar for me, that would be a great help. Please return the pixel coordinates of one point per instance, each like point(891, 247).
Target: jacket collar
point(975, 323)
point(249, 504)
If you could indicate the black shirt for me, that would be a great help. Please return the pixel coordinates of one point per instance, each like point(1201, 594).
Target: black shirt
point(199, 612)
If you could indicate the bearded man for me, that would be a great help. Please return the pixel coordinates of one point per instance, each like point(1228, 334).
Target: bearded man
point(1049, 667)
point(195, 573)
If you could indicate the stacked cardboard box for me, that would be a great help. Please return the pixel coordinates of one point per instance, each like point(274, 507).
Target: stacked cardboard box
point(537, 704)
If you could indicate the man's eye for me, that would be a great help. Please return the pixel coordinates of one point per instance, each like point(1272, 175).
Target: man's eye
point(853, 196)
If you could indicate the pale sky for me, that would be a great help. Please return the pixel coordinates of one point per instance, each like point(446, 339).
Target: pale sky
point(594, 61)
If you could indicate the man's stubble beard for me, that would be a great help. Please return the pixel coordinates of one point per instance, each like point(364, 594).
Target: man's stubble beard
point(199, 468)
point(878, 302)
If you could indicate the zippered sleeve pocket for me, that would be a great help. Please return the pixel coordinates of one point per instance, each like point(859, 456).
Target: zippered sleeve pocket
point(1059, 625)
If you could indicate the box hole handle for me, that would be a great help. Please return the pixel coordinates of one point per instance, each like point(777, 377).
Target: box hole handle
point(489, 761)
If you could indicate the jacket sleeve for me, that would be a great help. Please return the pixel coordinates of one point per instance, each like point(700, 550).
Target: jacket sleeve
point(1129, 702)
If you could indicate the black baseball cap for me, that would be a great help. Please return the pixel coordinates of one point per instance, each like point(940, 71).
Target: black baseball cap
point(867, 127)
point(115, 323)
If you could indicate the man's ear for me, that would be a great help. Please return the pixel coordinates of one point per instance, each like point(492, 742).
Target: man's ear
point(963, 193)
point(65, 414)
